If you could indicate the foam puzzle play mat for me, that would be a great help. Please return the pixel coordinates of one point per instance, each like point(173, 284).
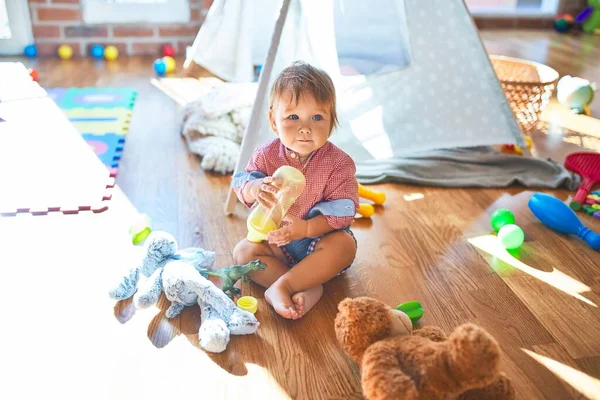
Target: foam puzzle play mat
point(57, 173)
point(47, 166)
point(102, 117)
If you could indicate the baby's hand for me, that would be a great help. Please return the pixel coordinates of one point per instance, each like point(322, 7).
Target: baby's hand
point(295, 230)
point(264, 191)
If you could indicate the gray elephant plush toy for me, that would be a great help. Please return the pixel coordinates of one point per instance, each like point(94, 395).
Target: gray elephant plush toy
point(177, 273)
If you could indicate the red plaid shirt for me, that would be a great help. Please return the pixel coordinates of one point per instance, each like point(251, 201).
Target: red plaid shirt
point(331, 184)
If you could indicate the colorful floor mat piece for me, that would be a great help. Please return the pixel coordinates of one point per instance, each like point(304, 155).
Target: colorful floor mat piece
point(100, 121)
point(68, 98)
point(101, 115)
point(108, 147)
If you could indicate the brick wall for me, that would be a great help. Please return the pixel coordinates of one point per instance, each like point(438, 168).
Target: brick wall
point(572, 7)
point(57, 22)
point(60, 21)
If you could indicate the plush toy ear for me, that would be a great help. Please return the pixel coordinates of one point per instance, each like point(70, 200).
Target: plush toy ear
point(361, 322)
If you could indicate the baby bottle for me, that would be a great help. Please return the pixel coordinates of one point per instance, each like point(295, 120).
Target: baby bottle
point(261, 221)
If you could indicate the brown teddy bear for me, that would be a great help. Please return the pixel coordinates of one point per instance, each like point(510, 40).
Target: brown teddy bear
point(397, 363)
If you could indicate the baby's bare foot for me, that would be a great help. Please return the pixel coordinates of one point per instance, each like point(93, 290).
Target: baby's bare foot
point(281, 300)
point(306, 300)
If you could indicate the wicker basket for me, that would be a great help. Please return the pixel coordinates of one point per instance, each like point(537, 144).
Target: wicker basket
point(528, 87)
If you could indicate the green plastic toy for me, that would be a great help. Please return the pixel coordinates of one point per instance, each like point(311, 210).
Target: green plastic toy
point(230, 275)
point(413, 309)
point(511, 236)
point(501, 217)
point(140, 230)
point(589, 18)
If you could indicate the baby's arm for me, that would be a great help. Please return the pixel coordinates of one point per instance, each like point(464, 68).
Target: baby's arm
point(299, 229)
point(245, 182)
point(336, 211)
point(340, 200)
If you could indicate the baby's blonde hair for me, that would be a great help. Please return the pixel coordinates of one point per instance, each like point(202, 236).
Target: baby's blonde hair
point(300, 78)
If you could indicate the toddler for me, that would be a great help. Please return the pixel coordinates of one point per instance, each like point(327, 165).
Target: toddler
point(314, 244)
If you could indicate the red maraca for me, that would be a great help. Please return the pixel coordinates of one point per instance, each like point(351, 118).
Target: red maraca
point(586, 164)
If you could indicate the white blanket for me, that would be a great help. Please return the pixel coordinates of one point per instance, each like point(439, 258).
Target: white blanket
point(214, 124)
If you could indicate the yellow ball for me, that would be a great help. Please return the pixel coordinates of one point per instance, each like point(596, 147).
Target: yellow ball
point(65, 52)
point(170, 63)
point(111, 53)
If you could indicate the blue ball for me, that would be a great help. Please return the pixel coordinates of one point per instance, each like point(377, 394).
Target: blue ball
point(97, 51)
point(160, 67)
point(30, 50)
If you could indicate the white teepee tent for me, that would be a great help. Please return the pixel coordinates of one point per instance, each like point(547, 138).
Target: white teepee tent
point(435, 87)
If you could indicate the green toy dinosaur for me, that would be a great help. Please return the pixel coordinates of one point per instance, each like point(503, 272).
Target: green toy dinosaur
point(230, 275)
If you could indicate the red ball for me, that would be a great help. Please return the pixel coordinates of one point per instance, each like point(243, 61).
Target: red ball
point(567, 17)
point(168, 51)
point(34, 74)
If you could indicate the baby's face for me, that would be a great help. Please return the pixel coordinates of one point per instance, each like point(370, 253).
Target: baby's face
point(302, 127)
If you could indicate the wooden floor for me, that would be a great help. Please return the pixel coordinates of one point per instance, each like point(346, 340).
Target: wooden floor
point(60, 335)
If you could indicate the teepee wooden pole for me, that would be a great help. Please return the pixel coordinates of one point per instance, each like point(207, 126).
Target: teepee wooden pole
point(252, 131)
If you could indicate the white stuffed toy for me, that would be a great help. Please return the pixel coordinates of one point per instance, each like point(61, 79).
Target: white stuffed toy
point(178, 274)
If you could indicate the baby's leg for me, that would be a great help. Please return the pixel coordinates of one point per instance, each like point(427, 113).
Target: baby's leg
point(332, 254)
point(273, 256)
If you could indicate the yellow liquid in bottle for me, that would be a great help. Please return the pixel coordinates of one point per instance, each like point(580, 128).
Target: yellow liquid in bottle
point(259, 227)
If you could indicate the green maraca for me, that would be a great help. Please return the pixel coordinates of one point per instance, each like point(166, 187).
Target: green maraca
point(501, 217)
point(510, 235)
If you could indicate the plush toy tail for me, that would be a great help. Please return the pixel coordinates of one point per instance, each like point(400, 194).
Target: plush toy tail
point(126, 288)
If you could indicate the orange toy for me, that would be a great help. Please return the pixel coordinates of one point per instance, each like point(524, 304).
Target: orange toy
point(514, 149)
point(367, 210)
point(401, 364)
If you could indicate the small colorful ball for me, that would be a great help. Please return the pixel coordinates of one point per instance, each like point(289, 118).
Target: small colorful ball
point(160, 67)
point(34, 74)
point(111, 53)
point(30, 50)
point(170, 63)
point(501, 217)
point(97, 51)
point(563, 22)
point(65, 52)
point(168, 50)
point(511, 236)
